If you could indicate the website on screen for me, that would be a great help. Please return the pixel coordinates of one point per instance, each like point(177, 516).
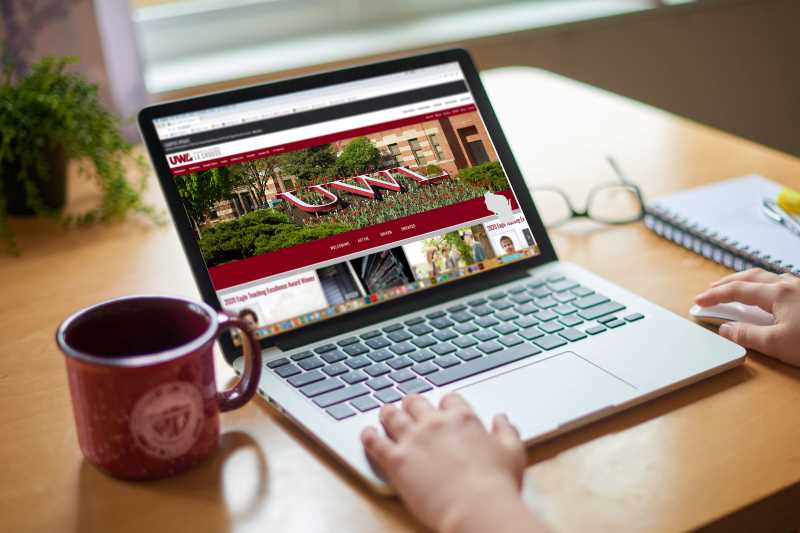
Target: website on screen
point(318, 203)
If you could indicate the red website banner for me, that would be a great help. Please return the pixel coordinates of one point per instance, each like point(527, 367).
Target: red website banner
point(309, 253)
point(322, 139)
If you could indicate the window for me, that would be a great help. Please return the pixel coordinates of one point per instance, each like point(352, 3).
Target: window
point(394, 152)
point(416, 149)
point(437, 149)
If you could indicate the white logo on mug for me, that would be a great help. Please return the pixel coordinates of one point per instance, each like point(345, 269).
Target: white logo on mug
point(167, 420)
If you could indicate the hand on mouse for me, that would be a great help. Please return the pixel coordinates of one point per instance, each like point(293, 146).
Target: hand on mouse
point(776, 294)
point(452, 474)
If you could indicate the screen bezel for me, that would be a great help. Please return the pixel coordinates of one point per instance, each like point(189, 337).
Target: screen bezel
point(369, 314)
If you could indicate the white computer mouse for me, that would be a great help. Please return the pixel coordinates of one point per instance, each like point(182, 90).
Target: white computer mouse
point(732, 312)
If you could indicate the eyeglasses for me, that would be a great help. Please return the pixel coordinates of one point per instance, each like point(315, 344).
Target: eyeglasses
point(613, 202)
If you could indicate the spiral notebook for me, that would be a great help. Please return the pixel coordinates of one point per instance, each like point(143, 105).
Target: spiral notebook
point(724, 222)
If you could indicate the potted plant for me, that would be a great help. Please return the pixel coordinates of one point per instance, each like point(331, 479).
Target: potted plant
point(49, 117)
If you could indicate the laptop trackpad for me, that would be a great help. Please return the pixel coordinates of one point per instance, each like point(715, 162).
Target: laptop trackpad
point(544, 395)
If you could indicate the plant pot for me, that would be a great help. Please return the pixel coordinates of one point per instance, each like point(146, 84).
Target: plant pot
point(52, 187)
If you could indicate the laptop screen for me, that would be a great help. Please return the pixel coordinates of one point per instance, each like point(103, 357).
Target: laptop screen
point(317, 203)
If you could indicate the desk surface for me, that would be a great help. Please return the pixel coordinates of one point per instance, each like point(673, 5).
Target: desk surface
point(674, 463)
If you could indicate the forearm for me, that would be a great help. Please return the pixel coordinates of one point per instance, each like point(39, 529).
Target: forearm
point(497, 512)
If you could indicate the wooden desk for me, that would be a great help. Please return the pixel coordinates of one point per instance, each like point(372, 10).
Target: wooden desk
point(675, 463)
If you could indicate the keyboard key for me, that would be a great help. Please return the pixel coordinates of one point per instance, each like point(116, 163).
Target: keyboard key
point(446, 361)
point(348, 341)
point(486, 322)
point(441, 323)
point(594, 330)
point(517, 289)
point(535, 284)
point(336, 369)
point(325, 348)
point(634, 317)
point(423, 369)
point(580, 292)
point(555, 277)
point(415, 386)
point(341, 395)
point(388, 395)
point(356, 349)
point(572, 334)
point(399, 336)
point(400, 362)
point(606, 319)
point(510, 340)
point(483, 364)
point(540, 292)
point(600, 310)
point(392, 327)
point(549, 342)
point(545, 315)
point(414, 321)
point(465, 342)
point(424, 341)
point(496, 295)
point(378, 369)
point(615, 323)
point(506, 316)
point(311, 363)
point(305, 379)
point(570, 320)
point(275, 363)
point(550, 327)
point(422, 355)
point(402, 348)
point(482, 310)
point(501, 305)
point(590, 301)
point(370, 334)
point(354, 376)
point(564, 297)
point(527, 309)
point(365, 403)
point(521, 299)
point(380, 355)
point(485, 335)
point(469, 354)
point(466, 329)
point(435, 315)
point(378, 343)
point(461, 317)
point(321, 387)
point(287, 371)
point(563, 285)
point(526, 322)
point(420, 329)
point(340, 412)
point(545, 303)
point(456, 308)
point(530, 334)
point(477, 302)
point(402, 375)
point(443, 348)
point(334, 356)
point(489, 347)
point(379, 383)
point(302, 355)
point(445, 335)
point(564, 309)
point(506, 329)
point(358, 362)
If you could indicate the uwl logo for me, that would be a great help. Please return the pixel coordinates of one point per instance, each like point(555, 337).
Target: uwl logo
point(180, 158)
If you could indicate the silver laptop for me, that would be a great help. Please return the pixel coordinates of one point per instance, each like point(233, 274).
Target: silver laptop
point(373, 226)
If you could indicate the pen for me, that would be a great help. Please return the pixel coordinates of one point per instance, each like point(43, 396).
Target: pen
point(777, 214)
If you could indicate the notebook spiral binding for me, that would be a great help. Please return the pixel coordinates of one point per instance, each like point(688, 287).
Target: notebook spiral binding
point(711, 244)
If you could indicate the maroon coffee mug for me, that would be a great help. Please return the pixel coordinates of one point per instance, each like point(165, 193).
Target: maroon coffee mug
point(141, 376)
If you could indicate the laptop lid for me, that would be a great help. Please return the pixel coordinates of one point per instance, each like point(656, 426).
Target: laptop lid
point(320, 204)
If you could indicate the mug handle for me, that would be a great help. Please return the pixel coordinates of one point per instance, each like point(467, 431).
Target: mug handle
point(247, 385)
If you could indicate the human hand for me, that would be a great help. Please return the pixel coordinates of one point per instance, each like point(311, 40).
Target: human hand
point(452, 474)
point(776, 294)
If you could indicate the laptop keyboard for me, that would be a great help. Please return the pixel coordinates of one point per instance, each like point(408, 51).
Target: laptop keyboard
point(360, 373)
